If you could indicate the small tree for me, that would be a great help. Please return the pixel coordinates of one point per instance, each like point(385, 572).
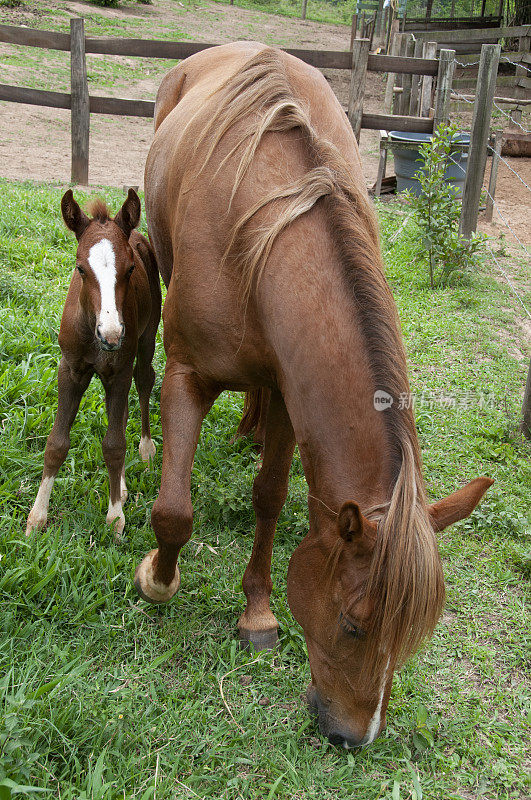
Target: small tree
point(437, 211)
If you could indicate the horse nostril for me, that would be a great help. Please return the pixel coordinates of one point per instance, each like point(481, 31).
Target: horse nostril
point(98, 332)
point(340, 740)
point(122, 326)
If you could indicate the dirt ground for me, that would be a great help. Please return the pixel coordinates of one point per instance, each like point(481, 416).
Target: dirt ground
point(35, 141)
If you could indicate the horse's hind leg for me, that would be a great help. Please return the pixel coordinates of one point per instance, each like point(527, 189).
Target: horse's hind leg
point(185, 401)
point(70, 393)
point(144, 375)
point(257, 624)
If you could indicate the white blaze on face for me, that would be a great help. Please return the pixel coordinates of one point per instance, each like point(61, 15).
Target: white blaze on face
point(102, 261)
point(374, 724)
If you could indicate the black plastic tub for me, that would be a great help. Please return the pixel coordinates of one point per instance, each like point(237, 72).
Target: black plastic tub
point(408, 162)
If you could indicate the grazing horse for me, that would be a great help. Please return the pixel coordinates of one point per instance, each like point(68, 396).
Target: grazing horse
point(257, 209)
point(110, 317)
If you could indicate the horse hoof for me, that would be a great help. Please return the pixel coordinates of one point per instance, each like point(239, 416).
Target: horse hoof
point(150, 590)
point(261, 640)
point(146, 448)
point(116, 519)
point(35, 524)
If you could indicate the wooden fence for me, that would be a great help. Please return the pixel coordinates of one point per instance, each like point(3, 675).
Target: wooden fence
point(358, 61)
point(451, 23)
point(470, 41)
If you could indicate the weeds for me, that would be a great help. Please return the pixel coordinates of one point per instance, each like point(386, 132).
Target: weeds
point(437, 211)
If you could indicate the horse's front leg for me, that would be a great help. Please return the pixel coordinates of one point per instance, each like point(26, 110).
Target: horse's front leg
point(185, 401)
point(71, 389)
point(114, 446)
point(257, 624)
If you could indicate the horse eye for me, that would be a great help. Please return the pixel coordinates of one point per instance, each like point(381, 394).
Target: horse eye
point(349, 627)
point(80, 269)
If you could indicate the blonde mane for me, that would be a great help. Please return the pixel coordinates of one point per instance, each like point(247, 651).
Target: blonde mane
point(405, 585)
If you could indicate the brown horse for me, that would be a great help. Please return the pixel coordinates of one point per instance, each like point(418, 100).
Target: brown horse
point(257, 209)
point(110, 317)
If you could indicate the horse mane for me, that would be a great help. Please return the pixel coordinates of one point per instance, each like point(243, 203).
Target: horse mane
point(98, 210)
point(405, 585)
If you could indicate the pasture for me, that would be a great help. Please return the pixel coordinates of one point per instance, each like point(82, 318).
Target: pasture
point(106, 697)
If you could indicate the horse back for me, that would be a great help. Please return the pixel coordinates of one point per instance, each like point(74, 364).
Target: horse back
point(192, 206)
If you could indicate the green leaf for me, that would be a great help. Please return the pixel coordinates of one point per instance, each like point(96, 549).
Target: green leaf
point(275, 786)
point(46, 687)
point(416, 782)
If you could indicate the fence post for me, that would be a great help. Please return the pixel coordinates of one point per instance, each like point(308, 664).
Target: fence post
point(444, 87)
point(399, 77)
point(304, 4)
point(393, 51)
point(525, 427)
point(524, 43)
point(407, 80)
point(391, 27)
point(477, 154)
point(79, 98)
point(360, 55)
point(378, 20)
point(415, 83)
point(353, 29)
point(429, 50)
point(489, 206)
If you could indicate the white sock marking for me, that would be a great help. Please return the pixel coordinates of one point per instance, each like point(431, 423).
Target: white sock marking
point(146, 448)
point(102, 261)
point(115, 514)
point(39, 513)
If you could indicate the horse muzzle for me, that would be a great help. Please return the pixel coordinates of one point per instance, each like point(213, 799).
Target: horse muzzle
point(110, 339)
point(335, 731)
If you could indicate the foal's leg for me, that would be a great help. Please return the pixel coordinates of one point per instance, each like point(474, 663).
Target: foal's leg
point(185, 401)
point(123, 484)
point(114, 446)
point(71, 391)
point(257, 624)
point(144, 375)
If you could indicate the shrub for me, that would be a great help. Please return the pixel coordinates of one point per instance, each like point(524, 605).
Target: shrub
point(437, 211)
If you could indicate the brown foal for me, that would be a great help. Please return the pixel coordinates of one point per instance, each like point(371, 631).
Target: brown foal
point(110, 317)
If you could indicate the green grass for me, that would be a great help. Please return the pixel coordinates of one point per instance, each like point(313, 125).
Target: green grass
point(103, 696)
point(339, 12)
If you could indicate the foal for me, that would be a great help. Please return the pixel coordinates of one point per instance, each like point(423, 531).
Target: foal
point(111, 316)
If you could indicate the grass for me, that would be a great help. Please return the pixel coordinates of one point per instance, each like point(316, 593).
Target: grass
point(105, 697)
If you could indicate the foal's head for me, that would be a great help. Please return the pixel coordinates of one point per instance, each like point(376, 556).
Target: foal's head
point(364, 607)
point(105, 261)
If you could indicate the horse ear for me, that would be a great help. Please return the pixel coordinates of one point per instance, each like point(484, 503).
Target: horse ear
point(75, 219)
point(458, 505)
point(128, 216)
point(356, 529)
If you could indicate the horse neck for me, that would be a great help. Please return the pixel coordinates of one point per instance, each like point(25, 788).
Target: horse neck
point(326, 375)
point(343, 441)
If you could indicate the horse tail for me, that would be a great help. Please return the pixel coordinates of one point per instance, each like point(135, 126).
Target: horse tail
point(168, 95)
point(255, 408)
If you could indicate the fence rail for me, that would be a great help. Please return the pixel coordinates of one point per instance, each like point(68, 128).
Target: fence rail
point(358, 61)
point(155, 48)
